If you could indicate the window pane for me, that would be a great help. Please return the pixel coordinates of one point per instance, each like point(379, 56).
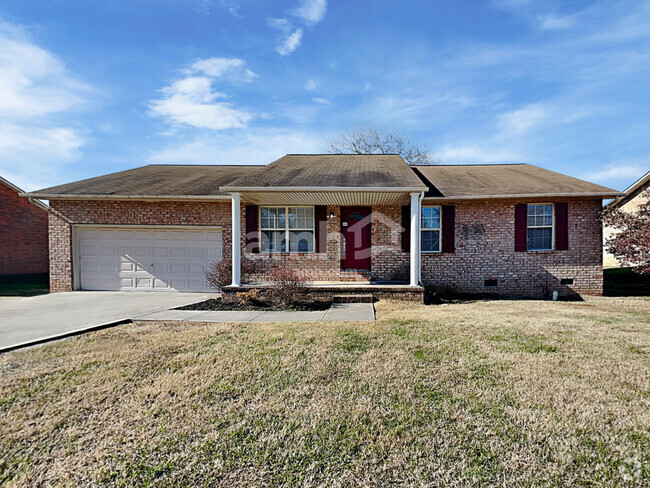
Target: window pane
point(430, 218)
point(301, 217)
point(540, 239)
point(273, 241)
point(301, 241)
point(430, 240)
point(272, 218)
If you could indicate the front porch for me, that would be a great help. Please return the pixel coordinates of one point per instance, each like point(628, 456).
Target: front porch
point(364, 239)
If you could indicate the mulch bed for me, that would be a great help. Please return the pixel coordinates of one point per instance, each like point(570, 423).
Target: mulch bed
point(219, 304)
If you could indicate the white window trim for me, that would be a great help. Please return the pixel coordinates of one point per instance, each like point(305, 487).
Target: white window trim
point(552, 248)
point(439, 229)
point(286, 229)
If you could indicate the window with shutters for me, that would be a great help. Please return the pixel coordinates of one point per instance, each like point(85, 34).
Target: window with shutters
point(540, 227)
point(430, 227)
point(287, 229)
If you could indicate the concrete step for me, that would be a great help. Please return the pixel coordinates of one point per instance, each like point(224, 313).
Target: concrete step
point(353, 298)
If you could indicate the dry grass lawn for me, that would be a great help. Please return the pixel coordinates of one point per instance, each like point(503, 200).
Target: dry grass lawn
point(507, 393)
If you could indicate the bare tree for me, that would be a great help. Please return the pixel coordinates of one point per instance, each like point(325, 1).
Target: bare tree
point(370, 139)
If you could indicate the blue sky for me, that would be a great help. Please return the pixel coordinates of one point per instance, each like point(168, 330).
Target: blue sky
point(91, 87)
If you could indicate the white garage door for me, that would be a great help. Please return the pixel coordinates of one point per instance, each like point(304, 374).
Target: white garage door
point(146, 258)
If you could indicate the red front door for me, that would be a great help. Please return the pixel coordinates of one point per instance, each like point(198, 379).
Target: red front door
point(355, 233)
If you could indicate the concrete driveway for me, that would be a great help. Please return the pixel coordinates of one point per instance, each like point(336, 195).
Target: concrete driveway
point(31, 320)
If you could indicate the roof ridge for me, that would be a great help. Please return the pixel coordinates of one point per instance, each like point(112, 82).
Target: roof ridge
point(205, 165)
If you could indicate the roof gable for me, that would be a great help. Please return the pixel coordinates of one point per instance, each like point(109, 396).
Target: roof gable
point(325, 171)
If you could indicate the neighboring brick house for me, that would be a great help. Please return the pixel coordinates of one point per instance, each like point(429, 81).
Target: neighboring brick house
point(23, 233)
point(367, 220)
point(630, 201)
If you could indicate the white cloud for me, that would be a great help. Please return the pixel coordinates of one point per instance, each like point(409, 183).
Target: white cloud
point(476, 154)
point(519, 121)
point(259, 146)
point(311, 11)
point(311, 85)
point(192, 101)
point(32, 156)
point(290, 44)
point(33, 81)
point(283, 25)
point(619, 173)
point(36, 90)
point(551, 22)
point(323, 101)
point(308, 13)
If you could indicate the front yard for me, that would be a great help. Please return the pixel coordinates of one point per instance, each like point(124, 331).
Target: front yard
point(505, 393)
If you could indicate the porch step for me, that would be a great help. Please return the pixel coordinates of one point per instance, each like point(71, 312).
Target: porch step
point(355, 275)
point(349, 298)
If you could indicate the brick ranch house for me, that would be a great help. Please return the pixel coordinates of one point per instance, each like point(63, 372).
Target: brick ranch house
point(365, 219)
point(23, 233)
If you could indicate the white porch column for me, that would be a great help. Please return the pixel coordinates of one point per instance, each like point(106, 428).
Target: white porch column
point(236, 239)
point(415, 239)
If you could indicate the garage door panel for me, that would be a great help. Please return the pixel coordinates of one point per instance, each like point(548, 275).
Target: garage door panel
point(147, 259)
point(160, 267)
point(161, 251)
point(196, 252)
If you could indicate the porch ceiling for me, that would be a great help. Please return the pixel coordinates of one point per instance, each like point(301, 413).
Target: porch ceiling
point(301, 197)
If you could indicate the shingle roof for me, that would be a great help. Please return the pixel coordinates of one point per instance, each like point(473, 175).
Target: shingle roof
point(503, 181)
point(333, 171)
point(155, 180)
point(343, 172)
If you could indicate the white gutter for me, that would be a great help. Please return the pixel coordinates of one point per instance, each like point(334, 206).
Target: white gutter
point(68, 196)
point(524, 195)
point(322, 189)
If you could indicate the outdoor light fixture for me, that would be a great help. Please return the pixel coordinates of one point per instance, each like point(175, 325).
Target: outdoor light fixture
point(332, 215)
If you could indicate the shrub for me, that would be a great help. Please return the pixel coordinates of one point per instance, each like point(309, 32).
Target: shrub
point(287, 288)
point(250, 297)
point(435, 295)
point(219, 273)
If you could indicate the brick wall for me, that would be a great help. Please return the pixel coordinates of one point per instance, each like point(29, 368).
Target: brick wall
point(311, 266)
point(485, 250)
point(484, 246)
point(389, 262)
point(67, 212)
point(23, 235)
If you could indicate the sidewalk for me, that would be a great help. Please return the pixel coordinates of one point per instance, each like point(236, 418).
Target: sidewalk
point(338, 312)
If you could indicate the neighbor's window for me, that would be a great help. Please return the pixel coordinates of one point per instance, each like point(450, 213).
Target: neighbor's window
point(282, 225)
point(540, 227)
point(430, 229)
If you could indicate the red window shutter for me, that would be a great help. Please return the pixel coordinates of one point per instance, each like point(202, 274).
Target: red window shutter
point(448, 228)
point(406, 228)
point(561, 226)
point(320, 216)
point(521, 227)
point(252, 231)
